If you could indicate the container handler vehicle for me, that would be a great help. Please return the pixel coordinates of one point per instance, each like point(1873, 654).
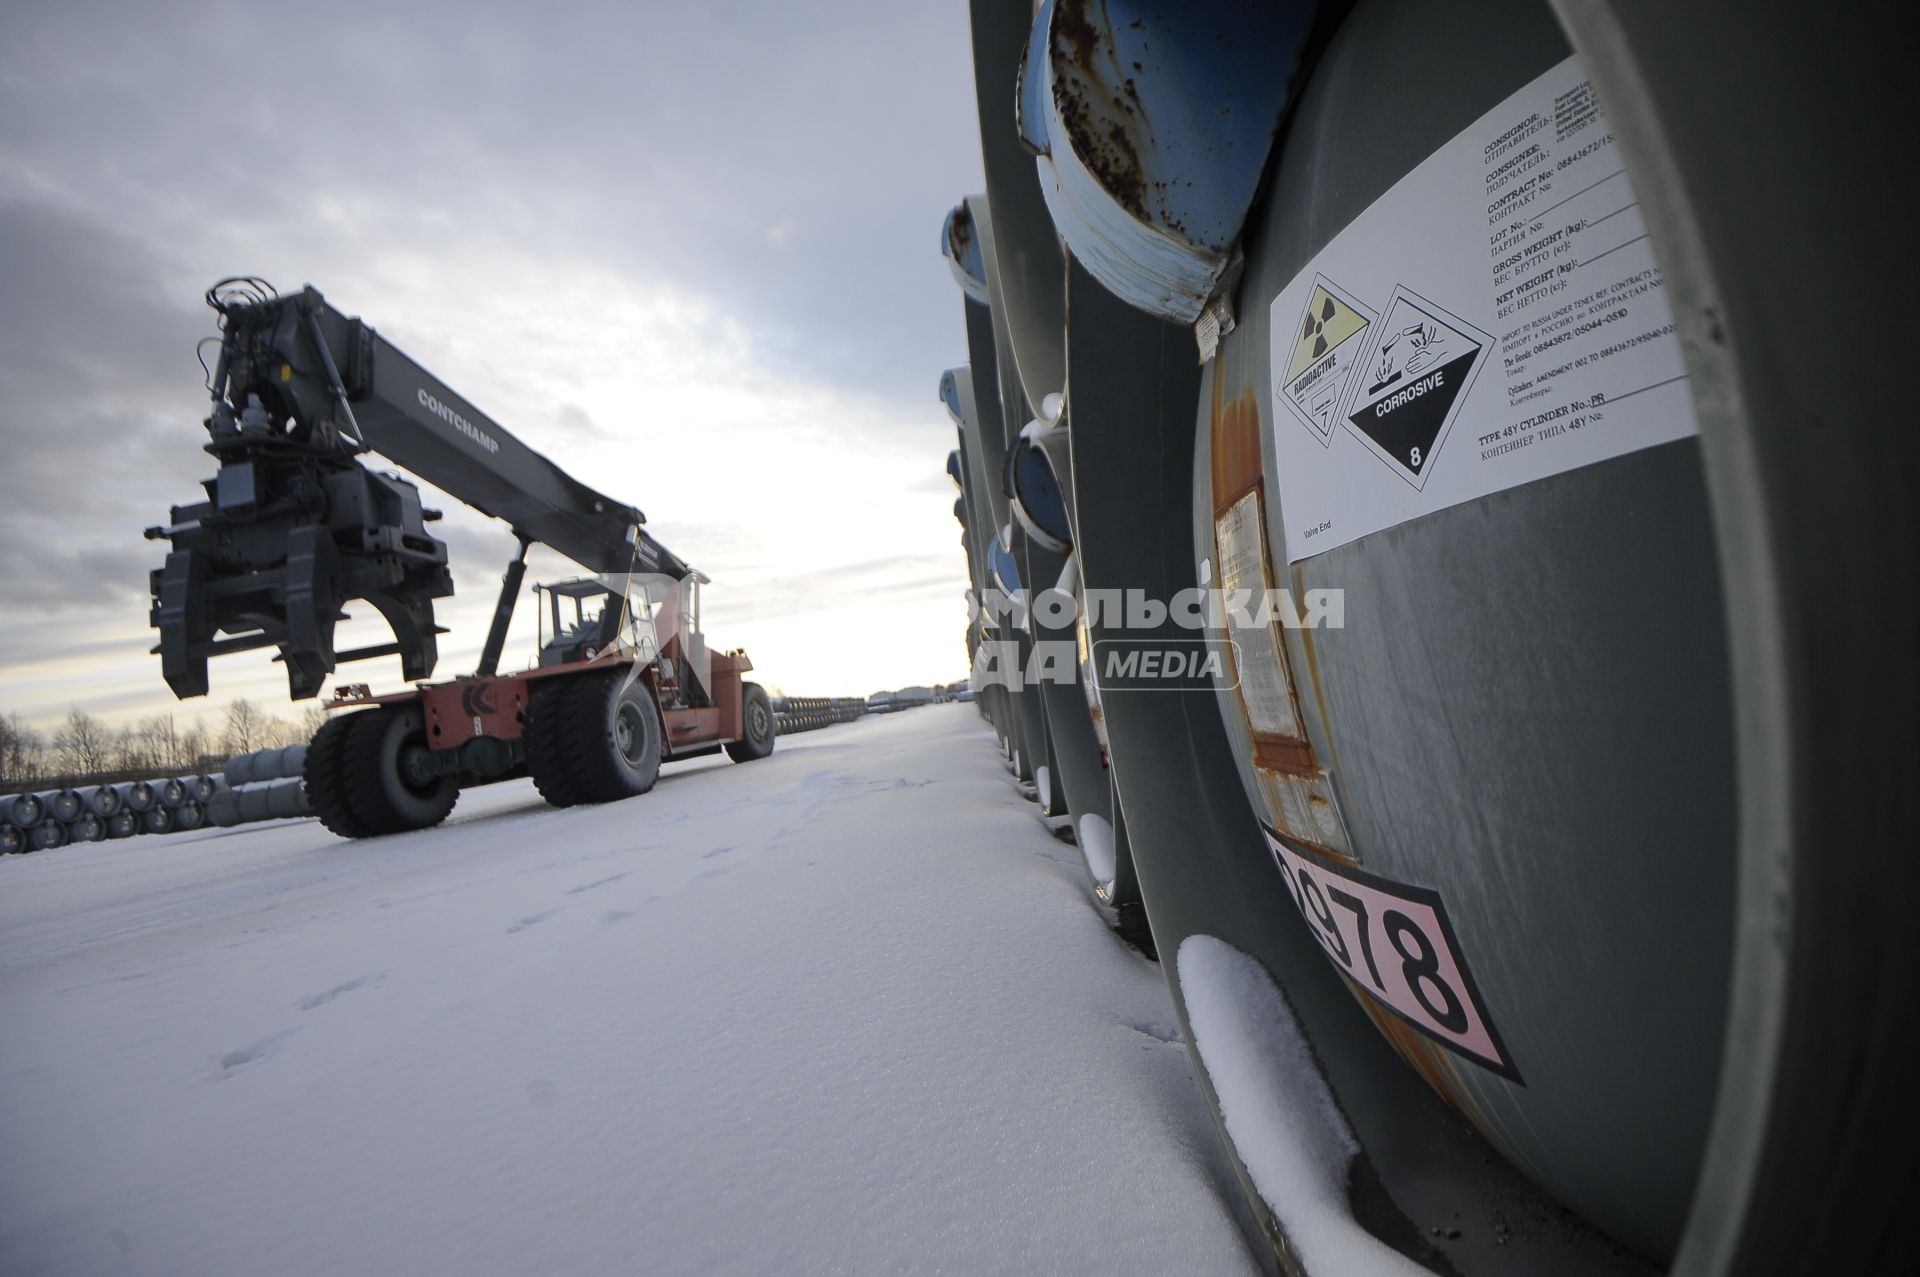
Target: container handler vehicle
point(295, 525)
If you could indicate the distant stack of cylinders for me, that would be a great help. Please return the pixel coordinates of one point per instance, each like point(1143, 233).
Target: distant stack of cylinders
point(54, 818)
point(806, 713)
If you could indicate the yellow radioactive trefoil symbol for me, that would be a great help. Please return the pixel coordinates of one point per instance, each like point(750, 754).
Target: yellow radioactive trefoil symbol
point(1328, 322)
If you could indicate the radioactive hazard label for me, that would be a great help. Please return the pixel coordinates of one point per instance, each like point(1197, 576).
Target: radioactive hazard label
point(1326, 349)
point(1419, 362)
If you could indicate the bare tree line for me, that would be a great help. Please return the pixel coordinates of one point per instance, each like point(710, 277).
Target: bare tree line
point(85, 748)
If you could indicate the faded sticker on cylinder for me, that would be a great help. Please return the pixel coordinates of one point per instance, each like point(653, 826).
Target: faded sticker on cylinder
point(1265, 689)
point(1495, 318)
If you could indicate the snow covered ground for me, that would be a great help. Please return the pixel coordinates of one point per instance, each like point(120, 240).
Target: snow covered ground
point(843, 1010)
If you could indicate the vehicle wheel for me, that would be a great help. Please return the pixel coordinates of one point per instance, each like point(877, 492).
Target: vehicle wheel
point(551, 724)
point(620, 738)
point(594, 739)
point(384, 785)
point(756, 720)
point(325, 777)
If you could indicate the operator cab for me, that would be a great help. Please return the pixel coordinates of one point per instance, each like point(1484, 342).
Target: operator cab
point(582, 618)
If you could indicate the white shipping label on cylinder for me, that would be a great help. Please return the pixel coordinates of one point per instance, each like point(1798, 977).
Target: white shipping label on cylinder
point(1265, 690)
point(1495, 318)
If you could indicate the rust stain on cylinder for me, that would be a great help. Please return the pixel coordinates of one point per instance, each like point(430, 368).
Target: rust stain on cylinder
point(1100, 108)
point(1235, 447)
point(1295, 787)
point(1435, 1067)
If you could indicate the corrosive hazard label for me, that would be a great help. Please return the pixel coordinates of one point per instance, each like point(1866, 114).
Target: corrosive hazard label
point(1414, 376)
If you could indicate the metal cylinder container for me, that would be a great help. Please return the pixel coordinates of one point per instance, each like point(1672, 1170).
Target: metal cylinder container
point(1461, 341)
point(101, 800)
point(63, 804)
point(22, 811)
point(266, 764)
point(138, 795)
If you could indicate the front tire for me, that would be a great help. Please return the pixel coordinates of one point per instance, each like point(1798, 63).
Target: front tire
point(593, 738)
point(756, 724)
point(361, 776)
point(325, 777)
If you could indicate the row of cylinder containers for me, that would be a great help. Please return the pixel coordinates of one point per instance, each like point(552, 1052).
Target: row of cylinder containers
point(809, 713)
point(44, 820)
point(1414, 556)
point(258, 785)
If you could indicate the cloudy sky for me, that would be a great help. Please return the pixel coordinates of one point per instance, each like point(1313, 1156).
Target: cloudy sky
point(688, 251)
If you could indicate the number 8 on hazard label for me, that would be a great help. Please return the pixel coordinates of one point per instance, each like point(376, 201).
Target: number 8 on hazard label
point(1394, 942)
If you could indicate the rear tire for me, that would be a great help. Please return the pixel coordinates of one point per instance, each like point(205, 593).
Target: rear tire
point(756, 724)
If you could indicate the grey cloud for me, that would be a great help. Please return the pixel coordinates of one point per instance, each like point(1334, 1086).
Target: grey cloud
point(100, 399)
point(573, 420)
point(666, 139)
point(56, 579)
point(903, 577)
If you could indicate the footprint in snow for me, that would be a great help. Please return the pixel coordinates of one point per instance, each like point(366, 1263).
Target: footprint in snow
point(1158, 1032)
point(612, 916)
point(321, 999)
point(589, 886)
point(252, 1053)
point(719, 851)
point(528, 921)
